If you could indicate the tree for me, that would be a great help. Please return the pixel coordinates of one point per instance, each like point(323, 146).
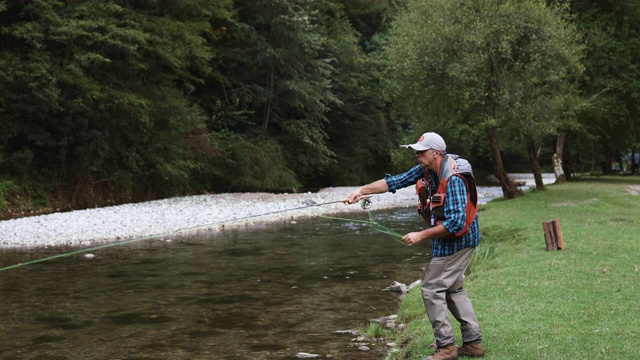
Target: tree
point(95, 96)
point(487, 69)
point(272, 81)
point(295, 92)
point(294, 72)
point(359, 131)
point(612, 34)
point(369, 18)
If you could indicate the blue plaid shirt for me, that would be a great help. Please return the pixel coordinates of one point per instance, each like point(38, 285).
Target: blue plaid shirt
point(454, 210)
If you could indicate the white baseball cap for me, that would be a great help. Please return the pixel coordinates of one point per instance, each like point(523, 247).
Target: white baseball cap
point(429, 140)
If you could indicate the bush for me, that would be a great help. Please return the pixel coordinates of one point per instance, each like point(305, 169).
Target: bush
point(248, 163)
point(7, 188)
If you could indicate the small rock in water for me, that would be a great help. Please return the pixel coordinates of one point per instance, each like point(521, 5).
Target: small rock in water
point(398, 287)
point(303, 355)
point(351, 332)
point(89, 256)
point(385, 319)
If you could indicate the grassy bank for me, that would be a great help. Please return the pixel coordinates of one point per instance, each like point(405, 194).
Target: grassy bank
point(580, 303)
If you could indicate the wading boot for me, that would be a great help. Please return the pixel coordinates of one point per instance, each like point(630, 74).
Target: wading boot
point(444, 353)
point(472, 349)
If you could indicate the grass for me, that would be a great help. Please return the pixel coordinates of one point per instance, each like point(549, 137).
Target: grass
point(579, 303)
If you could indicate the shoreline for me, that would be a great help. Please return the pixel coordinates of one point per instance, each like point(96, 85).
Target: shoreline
point(181, 215)
point(192, 215)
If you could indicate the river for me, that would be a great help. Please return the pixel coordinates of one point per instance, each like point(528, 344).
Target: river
point(262, 293)
point(268, 292)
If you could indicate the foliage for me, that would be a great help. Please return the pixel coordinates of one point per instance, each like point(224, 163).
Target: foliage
point(296, 71)
point(266, 171)
point(360, 132)
point(612, 36)
point(369, 19)
point(462, 68)
point(112, 101)
point(79, 102)
point(7, 187)
point(375, 331)
point(293, 94)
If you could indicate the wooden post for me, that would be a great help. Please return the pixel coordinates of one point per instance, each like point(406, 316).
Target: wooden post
point(553, 235)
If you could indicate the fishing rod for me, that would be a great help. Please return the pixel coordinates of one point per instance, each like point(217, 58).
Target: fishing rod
point(364, 203)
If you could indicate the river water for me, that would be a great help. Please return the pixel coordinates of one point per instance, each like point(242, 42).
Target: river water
point(267, 292)
point(260, 293)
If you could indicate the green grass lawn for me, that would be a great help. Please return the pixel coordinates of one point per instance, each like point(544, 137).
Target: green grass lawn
point(579, 303)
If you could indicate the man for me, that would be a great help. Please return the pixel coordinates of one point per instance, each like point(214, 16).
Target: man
point(448, 202)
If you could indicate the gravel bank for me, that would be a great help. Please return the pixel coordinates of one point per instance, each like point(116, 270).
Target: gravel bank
point(180, 215)
point(188, 214)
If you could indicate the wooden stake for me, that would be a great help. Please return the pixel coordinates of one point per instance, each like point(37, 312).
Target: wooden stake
point(553, 235)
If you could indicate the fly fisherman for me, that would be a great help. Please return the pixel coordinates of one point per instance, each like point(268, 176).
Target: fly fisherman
point(448, 201)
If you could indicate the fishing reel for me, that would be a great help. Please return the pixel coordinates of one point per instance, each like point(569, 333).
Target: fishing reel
point(365, 203)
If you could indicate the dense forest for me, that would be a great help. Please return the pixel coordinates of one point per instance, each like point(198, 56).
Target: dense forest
point(114, 101)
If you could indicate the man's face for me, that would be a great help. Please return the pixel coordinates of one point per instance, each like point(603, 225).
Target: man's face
point(427, 158)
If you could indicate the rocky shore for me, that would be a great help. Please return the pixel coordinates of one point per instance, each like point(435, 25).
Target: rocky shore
point(190, 214)
point(181, 215)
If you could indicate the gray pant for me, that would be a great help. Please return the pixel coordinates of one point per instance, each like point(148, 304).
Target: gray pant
point(443, 291)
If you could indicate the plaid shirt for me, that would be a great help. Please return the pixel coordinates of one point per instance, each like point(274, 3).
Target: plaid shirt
point(454, 210)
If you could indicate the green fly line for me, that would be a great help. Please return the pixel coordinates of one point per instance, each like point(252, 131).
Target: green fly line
point(365, 204)
point(75, 252)
point(374, 224)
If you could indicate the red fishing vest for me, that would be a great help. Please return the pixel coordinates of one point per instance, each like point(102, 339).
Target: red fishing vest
point(431, 206)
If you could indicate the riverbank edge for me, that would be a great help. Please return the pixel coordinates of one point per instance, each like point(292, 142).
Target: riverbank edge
point(191, 215)
point(183, 216)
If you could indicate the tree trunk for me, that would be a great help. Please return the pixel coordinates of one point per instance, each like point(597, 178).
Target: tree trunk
point(534, 156)
point(266, 116)
point(509, 188)
point(557, 159)
point(568, 161)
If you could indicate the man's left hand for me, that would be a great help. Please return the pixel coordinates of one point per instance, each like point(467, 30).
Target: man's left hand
point(413, 238)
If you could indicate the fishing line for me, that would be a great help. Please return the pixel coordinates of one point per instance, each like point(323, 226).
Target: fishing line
point(396, 236)
point(76, 252)
point(99, 247)
point(365, 204)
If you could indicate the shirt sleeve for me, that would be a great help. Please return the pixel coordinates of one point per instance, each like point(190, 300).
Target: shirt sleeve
point(408, 178)
point(455, 204)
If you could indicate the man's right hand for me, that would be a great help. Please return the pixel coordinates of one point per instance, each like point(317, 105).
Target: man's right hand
point(353, 198)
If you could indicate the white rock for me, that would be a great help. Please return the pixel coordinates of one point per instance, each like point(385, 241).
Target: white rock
point(303, 355)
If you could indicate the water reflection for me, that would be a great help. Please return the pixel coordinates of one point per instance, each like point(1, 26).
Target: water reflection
point(261, 293)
